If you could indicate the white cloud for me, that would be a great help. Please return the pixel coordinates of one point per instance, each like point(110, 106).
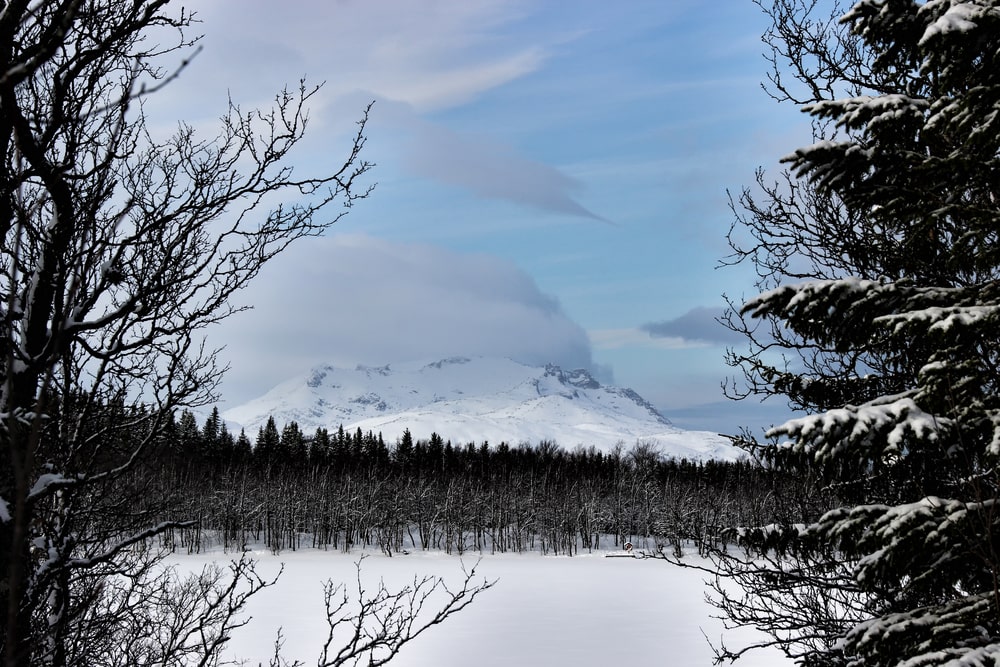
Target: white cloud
point(413, 58)
point(615, 339)
point(491, 170)
point(355, 299)
point(432, 54)
point(700, 324)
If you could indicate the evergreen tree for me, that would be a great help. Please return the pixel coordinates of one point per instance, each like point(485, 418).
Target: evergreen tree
point(166, 440)
point(320, 448)
point(435, 454)
point(357, 446)
point(902, 377)
point(375, 453)
point(226, 450)
point(341, 452)
point(190, 444)
point(404, 450)
point(211, 432)
point(266, 449)
point(243, 451)
point(293, 445)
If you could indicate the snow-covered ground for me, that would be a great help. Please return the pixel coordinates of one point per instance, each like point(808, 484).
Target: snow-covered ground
point(584, 611)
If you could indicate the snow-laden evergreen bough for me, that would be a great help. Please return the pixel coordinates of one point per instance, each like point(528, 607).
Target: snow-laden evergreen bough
point(879, 313)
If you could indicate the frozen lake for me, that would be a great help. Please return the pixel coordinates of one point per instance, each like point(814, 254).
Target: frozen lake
point(585, 611)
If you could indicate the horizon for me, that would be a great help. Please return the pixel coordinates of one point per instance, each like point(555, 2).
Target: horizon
point(475, 400)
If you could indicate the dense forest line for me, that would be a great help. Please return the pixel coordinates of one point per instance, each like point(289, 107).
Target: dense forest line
point(341, 490)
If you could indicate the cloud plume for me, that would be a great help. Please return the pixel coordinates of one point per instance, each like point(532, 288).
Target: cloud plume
point(352, 299)
point(492, 171)
point(698, 324)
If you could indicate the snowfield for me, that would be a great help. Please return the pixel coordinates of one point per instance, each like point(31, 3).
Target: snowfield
point(584, 611)
point(474, 400)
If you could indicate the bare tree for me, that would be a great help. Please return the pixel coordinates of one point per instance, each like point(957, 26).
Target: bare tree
point(371, 628)
point(119, 249)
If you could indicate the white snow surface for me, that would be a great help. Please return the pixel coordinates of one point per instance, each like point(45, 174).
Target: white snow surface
point(959, 17)
point(474, 400)
point(584, 611)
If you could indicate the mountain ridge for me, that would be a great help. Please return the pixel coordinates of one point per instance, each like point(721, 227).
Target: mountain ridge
point(475, 400)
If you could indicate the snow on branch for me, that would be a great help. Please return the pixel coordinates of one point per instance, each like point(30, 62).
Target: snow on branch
point(959, 17)
point(877, 429)
point(923, 538)
point(809, 307)
point(949, 627)
point(865, 111)
point(48, 481)
point(791, 299)
point(937, 318)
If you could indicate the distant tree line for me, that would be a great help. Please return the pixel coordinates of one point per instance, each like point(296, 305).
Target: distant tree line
point(340, 490)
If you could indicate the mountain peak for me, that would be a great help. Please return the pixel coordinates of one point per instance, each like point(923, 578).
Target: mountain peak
point(451, 361)
point(474, 400)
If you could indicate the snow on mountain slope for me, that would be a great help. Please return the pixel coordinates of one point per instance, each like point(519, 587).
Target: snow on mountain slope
point(472, 400)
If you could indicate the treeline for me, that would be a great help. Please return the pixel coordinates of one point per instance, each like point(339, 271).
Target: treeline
point(341, 490)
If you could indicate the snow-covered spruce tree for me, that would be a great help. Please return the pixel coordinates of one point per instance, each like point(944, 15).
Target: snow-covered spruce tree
point(879, 257)
point(118, 250)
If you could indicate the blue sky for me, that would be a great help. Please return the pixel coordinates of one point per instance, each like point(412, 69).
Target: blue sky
point(551, 178)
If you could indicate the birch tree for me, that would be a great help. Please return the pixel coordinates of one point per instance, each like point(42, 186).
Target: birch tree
point(118, 250)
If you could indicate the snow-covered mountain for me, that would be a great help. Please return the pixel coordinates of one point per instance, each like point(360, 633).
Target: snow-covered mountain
point(472, 400)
